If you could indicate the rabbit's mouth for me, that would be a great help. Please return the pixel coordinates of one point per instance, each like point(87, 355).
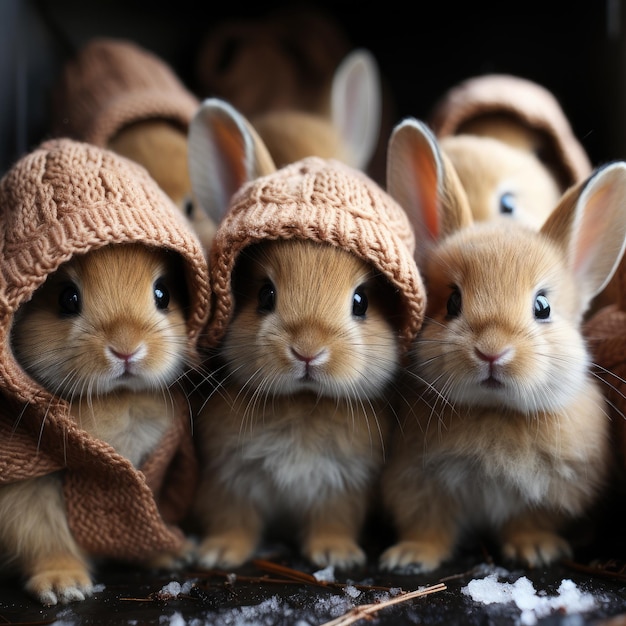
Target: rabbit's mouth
point(491, 382)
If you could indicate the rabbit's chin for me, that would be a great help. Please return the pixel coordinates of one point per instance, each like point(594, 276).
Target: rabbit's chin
point(349, 391)
point(369, 384)
point(105, 383)
point(546, 397)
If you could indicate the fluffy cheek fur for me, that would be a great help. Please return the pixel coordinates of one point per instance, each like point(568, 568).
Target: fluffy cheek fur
point(359, 356)
point(546, 365)
point(78, 359)
point(81, 353)
point(540, 361)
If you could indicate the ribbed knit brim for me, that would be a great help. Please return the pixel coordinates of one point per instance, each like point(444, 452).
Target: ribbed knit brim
point(324, 201)
point(62, 199)
point(113, 83)
point(526, 101)
point(67, 197)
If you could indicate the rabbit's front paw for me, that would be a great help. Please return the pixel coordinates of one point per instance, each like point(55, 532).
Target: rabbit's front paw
point(59, 580)
point(535, 548)
point(341, 552)
point(226, 550)
point(416, 556)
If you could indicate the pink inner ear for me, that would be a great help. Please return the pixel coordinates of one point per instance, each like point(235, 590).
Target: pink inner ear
point(599, 237)
point(427, 190)
point(230, 144)
point(591, 229)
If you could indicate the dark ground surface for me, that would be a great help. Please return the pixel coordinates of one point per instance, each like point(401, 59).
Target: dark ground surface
point(257, 595)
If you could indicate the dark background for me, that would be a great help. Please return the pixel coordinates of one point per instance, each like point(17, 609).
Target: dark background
point(574, 48)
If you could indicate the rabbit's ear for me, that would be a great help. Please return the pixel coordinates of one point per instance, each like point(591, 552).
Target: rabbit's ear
point(356, 105)
point(590, 224)
point(224, 152)
point(423, 181)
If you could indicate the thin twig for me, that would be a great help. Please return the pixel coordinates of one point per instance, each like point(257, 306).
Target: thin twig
point(609, 569)
point(299, 576)
point(363, 612)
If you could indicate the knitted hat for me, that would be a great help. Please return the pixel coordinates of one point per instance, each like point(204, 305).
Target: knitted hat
point(324, 201)
point(62, 199)
point(529, 104)
point(112, 83)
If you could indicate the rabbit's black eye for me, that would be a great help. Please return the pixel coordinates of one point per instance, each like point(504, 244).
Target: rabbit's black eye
point(69, 300)
point(507, 203)
point(267, 298)
point(359, 302)
point(188, 208)
point(542, 307)
point(454, 303)
point(161, 294)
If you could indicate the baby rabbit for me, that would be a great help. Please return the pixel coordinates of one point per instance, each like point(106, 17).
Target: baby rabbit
point(107, 333)
point(511, 145)
point(501, 180)
point(123, 97)
point(311, 324)
point(296, 430)
point(349, 132)
point(504, 428)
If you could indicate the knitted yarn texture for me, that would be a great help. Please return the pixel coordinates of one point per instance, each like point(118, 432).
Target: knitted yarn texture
point(324, 201)
point(62, 199)
point(113, 83)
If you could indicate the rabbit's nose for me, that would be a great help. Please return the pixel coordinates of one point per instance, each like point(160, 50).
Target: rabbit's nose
point(122, 356)
point(127, 356)
point(491, 357)
point(308, 358)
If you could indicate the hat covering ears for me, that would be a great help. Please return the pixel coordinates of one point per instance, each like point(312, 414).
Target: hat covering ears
point(67, 198)
point(112, 83)
point(525, 101)
point(325, 201)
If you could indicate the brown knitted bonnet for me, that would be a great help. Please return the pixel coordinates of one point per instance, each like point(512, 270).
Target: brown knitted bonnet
point(324, 201)
point(112, 83)
point(62, 199)
point(529, 103)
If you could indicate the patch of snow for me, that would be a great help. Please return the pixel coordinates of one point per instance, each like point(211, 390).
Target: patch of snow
point(569, 599)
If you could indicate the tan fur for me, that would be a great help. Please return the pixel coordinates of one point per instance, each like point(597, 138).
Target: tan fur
point(490, 168)
point(281, 444)
point(348, 129)
point(496, 154)
point(125, 402)
point(161, 147)
point(293, 135)
point(504, 428)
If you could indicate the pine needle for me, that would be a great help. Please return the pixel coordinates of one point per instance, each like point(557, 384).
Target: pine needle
point(363, 612)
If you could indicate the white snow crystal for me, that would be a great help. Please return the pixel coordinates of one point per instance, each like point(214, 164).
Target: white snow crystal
point(172, 589)
point(326, 575)
point(352, 591)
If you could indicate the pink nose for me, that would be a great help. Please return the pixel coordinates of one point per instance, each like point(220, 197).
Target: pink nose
point(490, 358)
point(122, 356)
point(304, 357)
